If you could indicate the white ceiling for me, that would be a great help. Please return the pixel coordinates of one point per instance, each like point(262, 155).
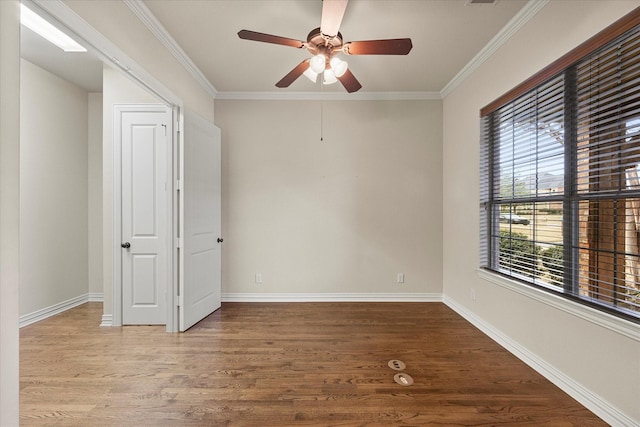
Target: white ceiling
point(82, 69)
point(446, 36)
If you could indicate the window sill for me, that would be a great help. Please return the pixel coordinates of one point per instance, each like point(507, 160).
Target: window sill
point(605, 320)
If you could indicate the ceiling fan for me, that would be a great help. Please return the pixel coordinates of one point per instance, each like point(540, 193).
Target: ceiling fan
point(325, 43)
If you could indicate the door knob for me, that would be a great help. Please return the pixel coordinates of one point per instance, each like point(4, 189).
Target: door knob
point(220, 240)
point(126, 245)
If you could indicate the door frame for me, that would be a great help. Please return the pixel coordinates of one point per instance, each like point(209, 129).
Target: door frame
point(171, 210)
point(110, 53)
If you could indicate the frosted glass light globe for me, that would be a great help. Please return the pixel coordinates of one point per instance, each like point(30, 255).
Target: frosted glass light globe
point(311, 75)
point(317, 63)
point(338, 66)
point(329, 77)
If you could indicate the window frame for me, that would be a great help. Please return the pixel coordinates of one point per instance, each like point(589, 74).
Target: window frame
point(567, 67)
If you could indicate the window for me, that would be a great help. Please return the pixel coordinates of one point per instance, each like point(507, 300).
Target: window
point(560, 175)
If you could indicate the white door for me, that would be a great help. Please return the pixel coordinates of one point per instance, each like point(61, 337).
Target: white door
point(145, 227)
point(201, 212)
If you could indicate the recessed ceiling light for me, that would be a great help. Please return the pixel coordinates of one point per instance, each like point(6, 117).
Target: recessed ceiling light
point(39, 25)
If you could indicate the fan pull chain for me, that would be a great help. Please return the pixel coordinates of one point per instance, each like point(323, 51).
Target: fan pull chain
point(321, 111)
point(321, 120)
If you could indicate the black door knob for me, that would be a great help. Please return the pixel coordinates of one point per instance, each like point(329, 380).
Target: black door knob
point(220, 240)
point(126, 245)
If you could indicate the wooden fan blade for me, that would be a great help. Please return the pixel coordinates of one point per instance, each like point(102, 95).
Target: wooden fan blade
point(294, 74)
point(349, 81)
point(268, 38)
point(378, 47)
point(332, 13)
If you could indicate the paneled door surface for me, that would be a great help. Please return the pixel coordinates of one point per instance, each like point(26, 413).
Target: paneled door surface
point(145, 228)
point(200, 286)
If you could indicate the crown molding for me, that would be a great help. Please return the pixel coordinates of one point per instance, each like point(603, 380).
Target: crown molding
point(157, 29)
point(527, 12)
point(329, 96)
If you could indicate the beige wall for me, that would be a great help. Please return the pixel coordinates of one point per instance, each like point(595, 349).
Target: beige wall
point(9, 209)
point(53, 189)
point(602, 361)
point(343, 215)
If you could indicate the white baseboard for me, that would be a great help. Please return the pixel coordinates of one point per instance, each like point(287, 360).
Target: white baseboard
point(44, 313)
point(96, 296)
point(586, 397)
point(326, 297)
point(107, 320)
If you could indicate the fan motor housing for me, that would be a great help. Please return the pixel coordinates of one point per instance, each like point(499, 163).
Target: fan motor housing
point(319, 43)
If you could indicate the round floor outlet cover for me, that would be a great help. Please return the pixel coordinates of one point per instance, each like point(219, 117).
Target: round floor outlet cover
point(397, 365)
point(403, 379)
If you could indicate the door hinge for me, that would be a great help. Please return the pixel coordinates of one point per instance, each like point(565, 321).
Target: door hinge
point(165, 129)
point(180, 300)
point(179, 242)
point(179, 185)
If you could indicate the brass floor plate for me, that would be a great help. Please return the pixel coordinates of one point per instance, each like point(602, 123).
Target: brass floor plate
point(403, 379)
point(397, 365)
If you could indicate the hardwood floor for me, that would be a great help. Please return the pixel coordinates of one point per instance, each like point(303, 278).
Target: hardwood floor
point(284, 364)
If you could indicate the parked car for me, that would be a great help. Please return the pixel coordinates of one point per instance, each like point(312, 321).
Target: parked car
point(511, 218)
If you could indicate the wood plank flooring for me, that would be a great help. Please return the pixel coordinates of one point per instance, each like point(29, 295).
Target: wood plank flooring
point(283, 364)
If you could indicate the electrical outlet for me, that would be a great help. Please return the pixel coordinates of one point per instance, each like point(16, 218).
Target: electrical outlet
point(258, 277)
point(473, 294)
point(400, 278)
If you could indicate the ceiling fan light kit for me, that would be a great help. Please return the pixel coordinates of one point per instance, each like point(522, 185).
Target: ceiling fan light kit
point(329, 77)
point(338, 66)
point(324, 44)
point(318, 63)
point(311, 75)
